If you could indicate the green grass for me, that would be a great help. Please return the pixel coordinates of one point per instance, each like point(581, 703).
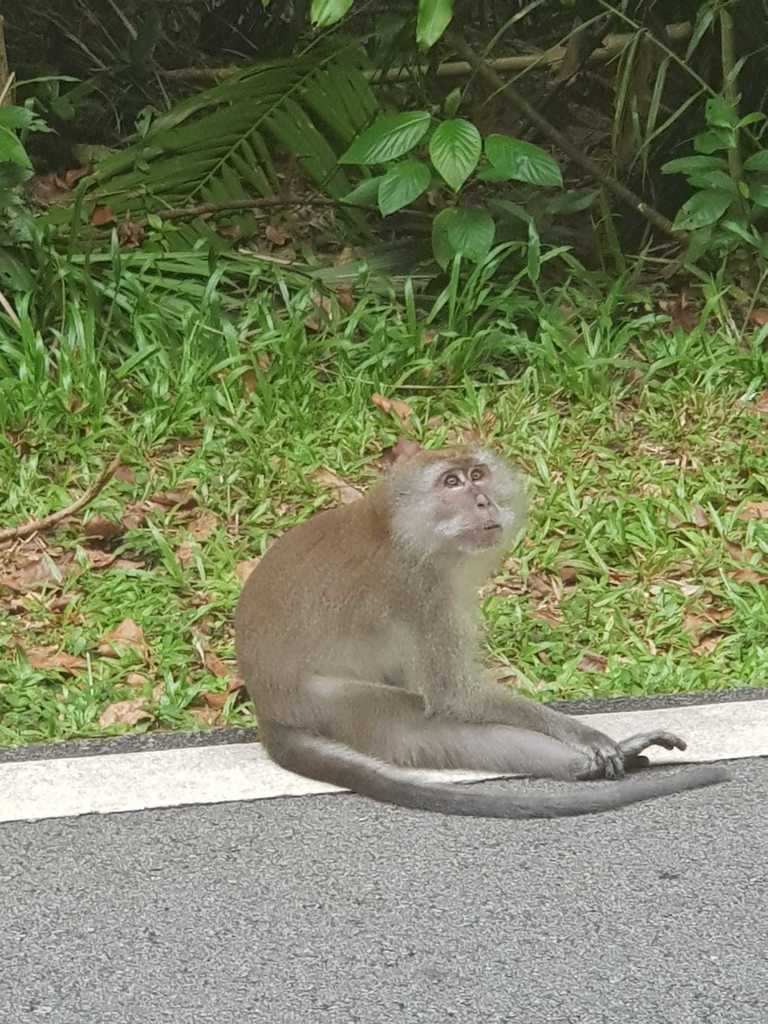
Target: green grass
point(641, 445)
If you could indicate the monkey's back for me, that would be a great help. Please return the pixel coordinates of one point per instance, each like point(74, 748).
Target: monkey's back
point(334, 621)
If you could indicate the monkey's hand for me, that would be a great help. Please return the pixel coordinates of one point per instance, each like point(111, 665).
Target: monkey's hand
point(633, 745)
point(610, 760)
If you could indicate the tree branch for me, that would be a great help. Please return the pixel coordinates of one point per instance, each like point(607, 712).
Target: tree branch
point(38, 525)
point(563, 142)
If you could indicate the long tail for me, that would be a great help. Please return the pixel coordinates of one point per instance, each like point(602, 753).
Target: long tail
point(319, 758)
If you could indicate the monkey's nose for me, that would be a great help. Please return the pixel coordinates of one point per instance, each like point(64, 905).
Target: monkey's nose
point(481, 501)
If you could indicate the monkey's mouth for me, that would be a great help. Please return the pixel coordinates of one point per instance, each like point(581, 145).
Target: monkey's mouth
point(485, 536)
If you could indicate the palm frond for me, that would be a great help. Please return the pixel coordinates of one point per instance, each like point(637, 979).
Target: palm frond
point(219, 145)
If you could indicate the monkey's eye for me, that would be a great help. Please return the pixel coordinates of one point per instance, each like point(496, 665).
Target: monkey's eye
point(477, 473)
point(451, 480)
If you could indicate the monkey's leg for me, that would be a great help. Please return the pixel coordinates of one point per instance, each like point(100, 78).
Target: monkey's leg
point(609, 760)
point(390, 724)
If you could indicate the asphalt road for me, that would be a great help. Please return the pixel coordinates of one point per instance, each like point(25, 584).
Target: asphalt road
point(333, 909)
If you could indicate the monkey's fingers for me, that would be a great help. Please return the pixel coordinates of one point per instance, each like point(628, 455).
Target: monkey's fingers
point(610, 763)
point(635, 763)
point(632, 746)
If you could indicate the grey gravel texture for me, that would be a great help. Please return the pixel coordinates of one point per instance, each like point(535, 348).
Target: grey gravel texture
point(335, 909)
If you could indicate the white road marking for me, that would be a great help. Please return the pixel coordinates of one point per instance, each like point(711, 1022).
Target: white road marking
point(108, 783)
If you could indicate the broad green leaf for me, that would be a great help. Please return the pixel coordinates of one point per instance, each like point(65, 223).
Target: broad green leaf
point(751, 119)
point(573, 201)
point(757, 162)
point(388, 137)
point(758, 194)
point(690, 164)
point(713, 179)
point(522, 161)
point(433, 19)
point(12, 150)
point(452, 101)
point(327, 12)
point(13, 174)
point(703, 209)
point(743, 230)
point(402, 184)
point(454, 149)
point(489, 173)
point(698, 243)
point(468, 231)
point(16, 117)
point(712, 141)
point(720, 113)
point(366, 193)
point(508, 210)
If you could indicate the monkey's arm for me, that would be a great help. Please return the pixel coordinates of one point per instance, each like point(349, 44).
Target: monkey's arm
point(483, 701)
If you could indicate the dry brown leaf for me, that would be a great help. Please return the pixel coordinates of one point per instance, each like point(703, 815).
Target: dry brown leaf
point(38, 571)
point(591, 661)
point(399, 408)
point(244, 569)
point(681, 310)
point(233, 231)
point(216, 666)
point(759, 317)
point(754, 510)
point(126, 474)
point(99, 528)
point(700, 517)
point(346, 255)
point(125, 712)
point(50, 189)
point(346, 297)
point(180, 498)
point(206, 716)
point(429, 337)
point(127, 564)
point(322, 315)
point(275, 235)
point(547, 614)
point(98, 559)
point(402, 448)
point(128, 636)
point(102, 215)
point(345, 492)
point(130, 233)
point(203, 525)
point(747, 574)
point(708, 644)
point(135, 679)
point(51, 658)
point(185, 554)
point(703, 621)
point(215, 700)
point(760, 404)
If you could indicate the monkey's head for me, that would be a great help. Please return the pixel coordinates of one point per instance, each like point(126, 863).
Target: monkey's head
point(458, 500)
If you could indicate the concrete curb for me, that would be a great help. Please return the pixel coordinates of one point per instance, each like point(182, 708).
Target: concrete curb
point(35, 788)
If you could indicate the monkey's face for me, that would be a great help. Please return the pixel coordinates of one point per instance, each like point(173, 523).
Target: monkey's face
point(466, 513)
point(465, 502)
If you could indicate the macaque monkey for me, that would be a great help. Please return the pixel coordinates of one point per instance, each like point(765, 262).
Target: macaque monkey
point(356, 636)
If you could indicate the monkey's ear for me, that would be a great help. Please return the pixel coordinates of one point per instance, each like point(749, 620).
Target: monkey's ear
point(403, 448)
